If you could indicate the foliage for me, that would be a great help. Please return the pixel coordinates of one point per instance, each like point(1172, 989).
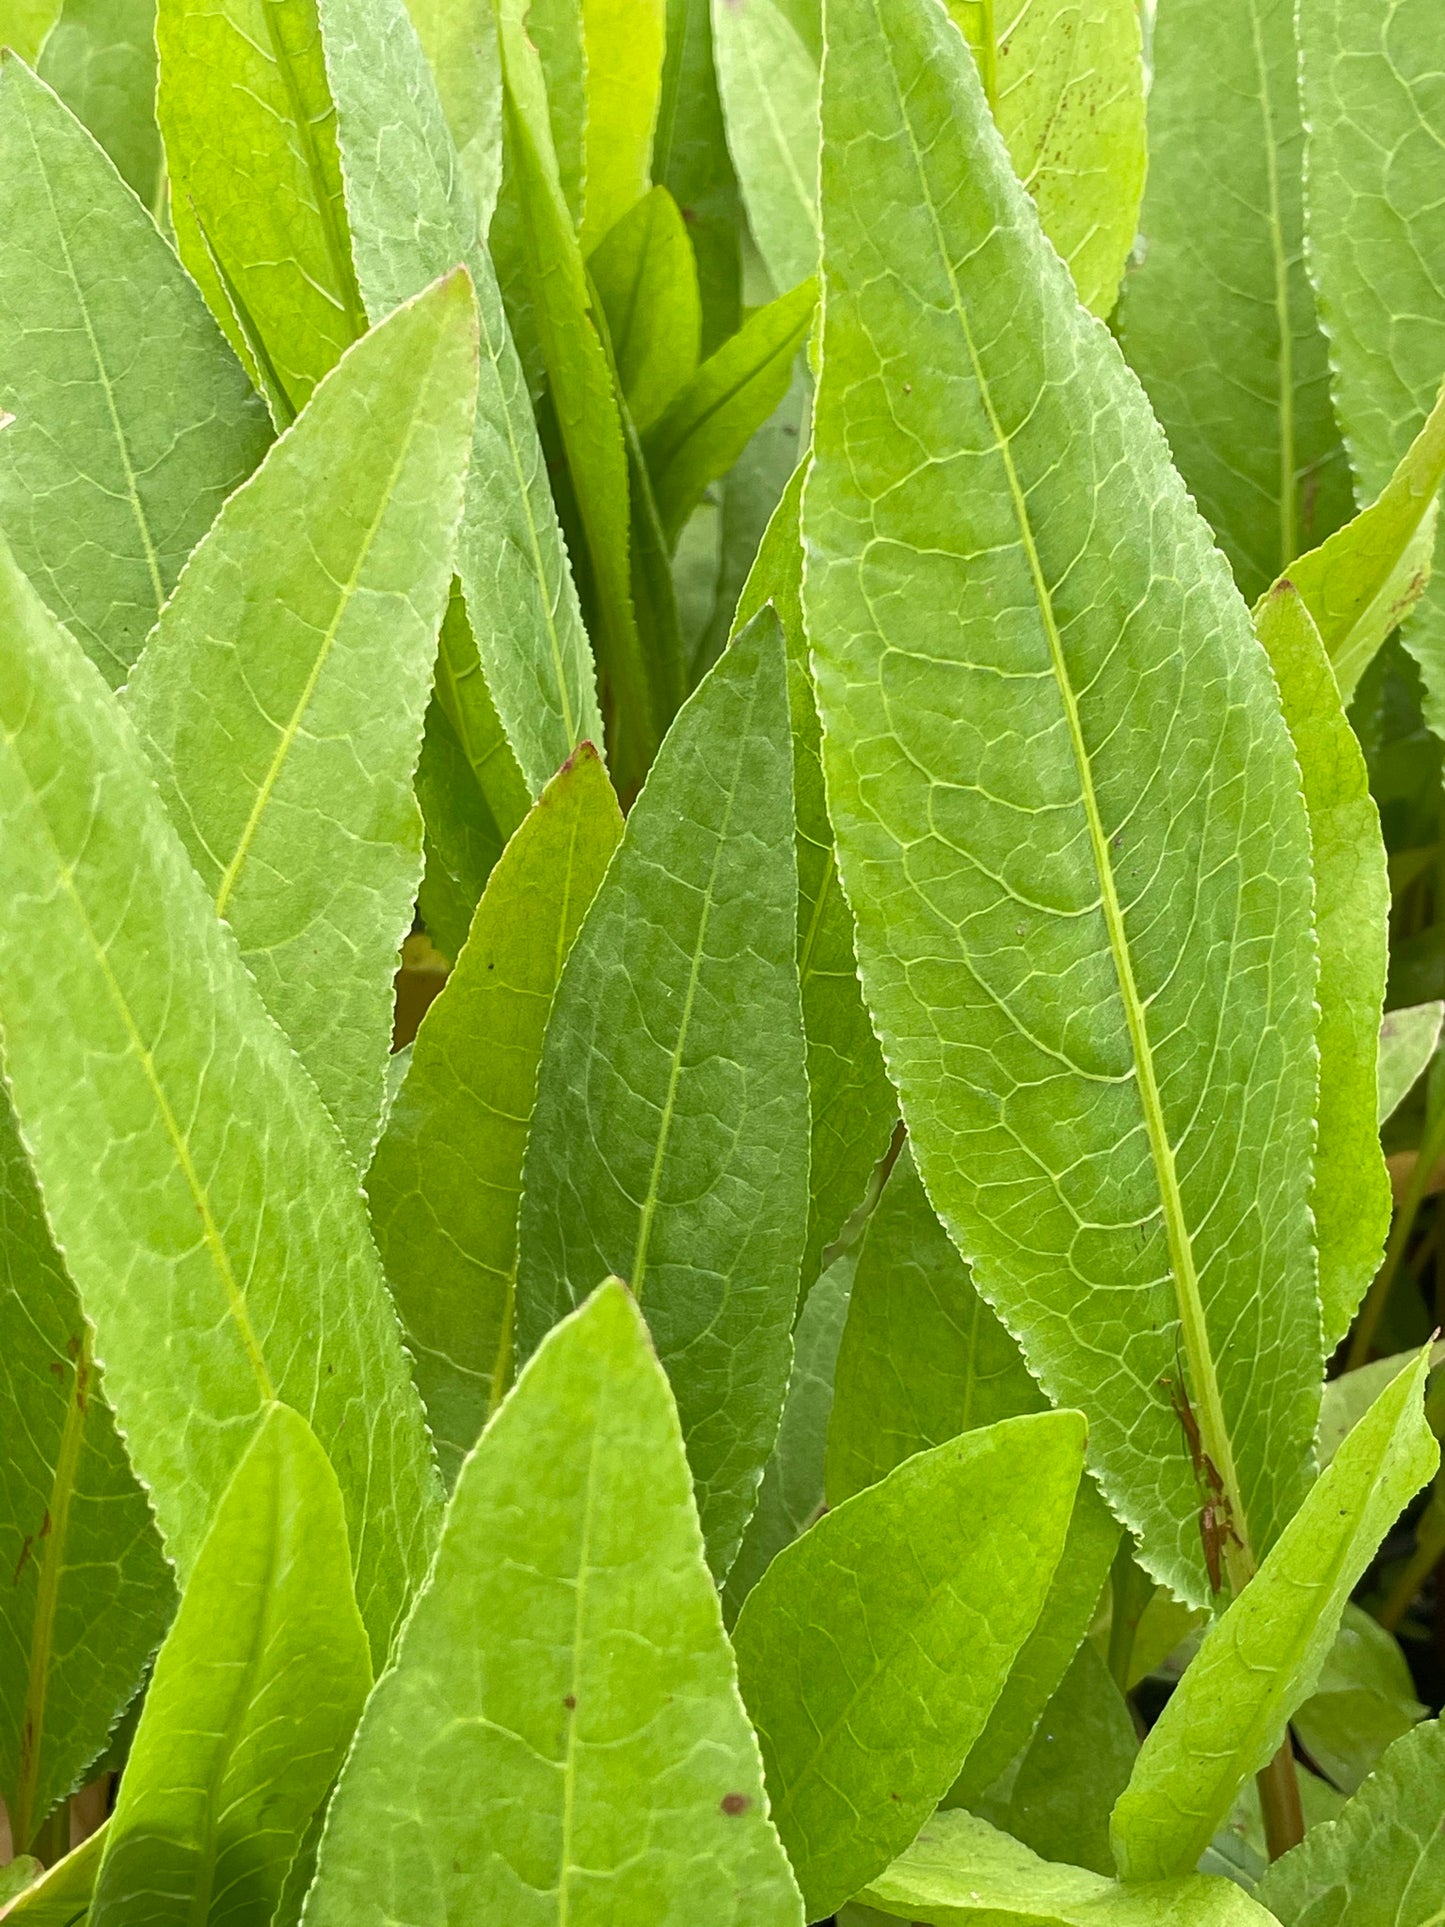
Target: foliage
point(840, 592)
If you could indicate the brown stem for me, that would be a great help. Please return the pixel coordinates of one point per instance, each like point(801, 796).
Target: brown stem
point(1279, 1801)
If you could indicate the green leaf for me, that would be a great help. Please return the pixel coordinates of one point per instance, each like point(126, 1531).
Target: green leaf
point(709, 424)
point(1369, 89)
point(1382, 1863)
point(554, 27)
point(768, 80)
point(1347, 1398)
point(60, 1897)
point(623, 44)
point(322, 581)
point(1261, 1660)
point(1408, 1039)
point(567, 1665)
point(852, 1105)
point(525, 658)
point(669, 1141)
point(690, 159)
point(961, 1873)
point(1350, 1195)
point(252, 1703)
point(872, 1649)
point(1065, 83)
point(132, 421)
point(459, 38)
point(87, 1594)
point(1367, 576)
point(1076, 1766)
point(462, 841)
point(1052, 824)
point(24, 25)
point(923, 1359)
point(1364, 1701)
point(791, 1495)
point(1219, 319)
point(446, 1183)
point(590, 423)
point(101, 60)
point(243, 99)
point(207, 1210)
point(646, 279)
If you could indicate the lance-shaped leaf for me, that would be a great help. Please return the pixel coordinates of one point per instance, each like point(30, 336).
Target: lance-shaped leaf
point(554, 28)
point(709, 424)
point(323, 581)
point(462, 840)
point(567, 1665)
point(1408, 1039)
point(254, 1697)
point(852, 1105)
point(960, 1872)
point(623, 51)
point(669, 1142)
point(446, 1183)
point(768, 79)
point(923, 1359)
point(690, 159)
point(101, 60)
point(243, 99)
point(207, 1210)
point(1382, 1863)
point(1350, 1196)
point(872, 1649)
point(522, 654)
point(60, 1897)
point(646, 279)
point(791, 1496)
point(1219, 319)
point(1376, 233)
point(1258, 1663)
point(1075, 1767)
point(132, 420)
point(1065, 81)
point(590, 425)
point(1366, 577)
point(1067, 813)
point(87, 1594)
point(459, 38)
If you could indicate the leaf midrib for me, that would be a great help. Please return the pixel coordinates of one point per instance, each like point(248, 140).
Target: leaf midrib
point(1181, 1253)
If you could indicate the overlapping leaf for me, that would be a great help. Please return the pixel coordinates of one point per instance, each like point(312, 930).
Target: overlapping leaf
point(1067, 812)
point(525, 657)
point(88, 1593)
point(322, 582)
point(669, 1141)
point(622, 46)
point(252, 1703)
point(243, 98)
point(567, 1666)
point(132, 420)
point(690, 159)
point(445, 1185)
point(206, 1207)
point(101, 60)
point(1219, 318)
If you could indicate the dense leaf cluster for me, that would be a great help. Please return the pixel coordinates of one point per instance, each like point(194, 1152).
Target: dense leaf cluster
point(848, 585)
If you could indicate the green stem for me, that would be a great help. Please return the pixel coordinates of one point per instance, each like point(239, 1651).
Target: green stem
point(1429, 1551)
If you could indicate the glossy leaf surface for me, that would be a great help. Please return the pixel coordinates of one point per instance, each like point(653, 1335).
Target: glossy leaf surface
point(252, 1703)
point(133, 421)
point(1071, 855)
point(669, 1142)
point(872, 1650)
point(622, 50)
point(567, 1664)
point(206, 1207)
point(445, 1186)
point(323, 581)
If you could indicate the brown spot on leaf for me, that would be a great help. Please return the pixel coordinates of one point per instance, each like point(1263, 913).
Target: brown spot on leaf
point(735, 1803)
